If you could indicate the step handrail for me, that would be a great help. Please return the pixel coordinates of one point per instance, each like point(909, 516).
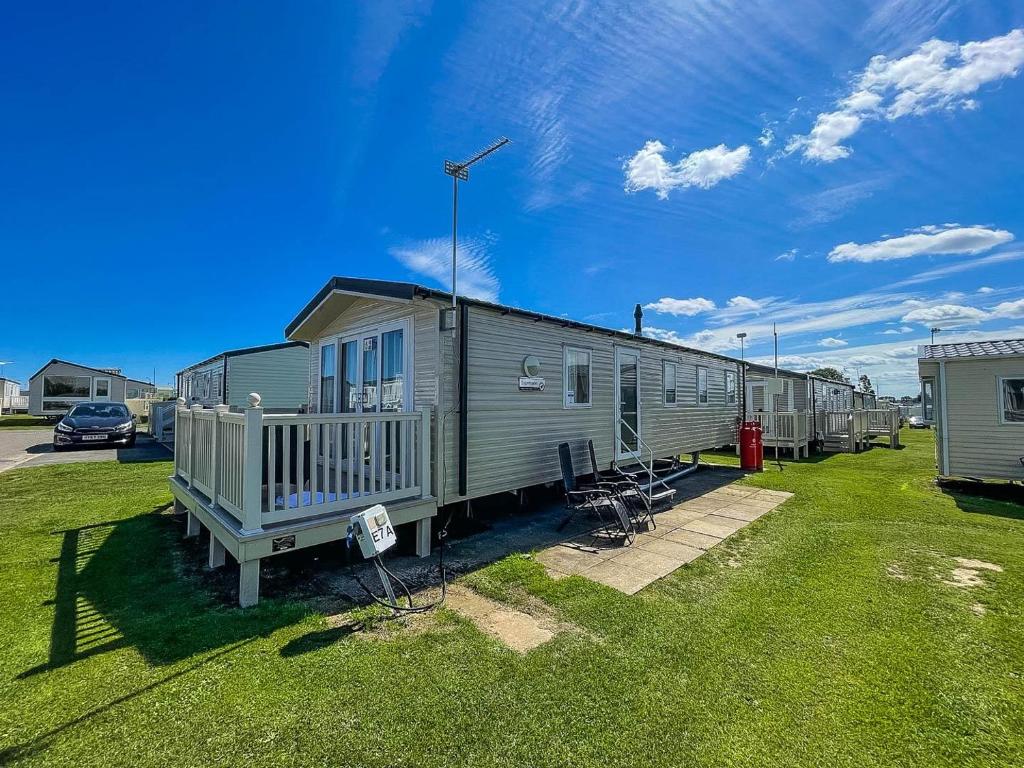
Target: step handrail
point(650, 468)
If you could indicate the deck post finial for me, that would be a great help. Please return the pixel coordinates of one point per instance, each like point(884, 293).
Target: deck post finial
point(255, 399)
point(181, 401)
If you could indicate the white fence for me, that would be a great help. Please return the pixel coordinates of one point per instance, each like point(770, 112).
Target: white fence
point(272, 468)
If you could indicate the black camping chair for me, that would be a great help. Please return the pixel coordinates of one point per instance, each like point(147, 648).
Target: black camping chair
point(603, 503)
point(626, 486)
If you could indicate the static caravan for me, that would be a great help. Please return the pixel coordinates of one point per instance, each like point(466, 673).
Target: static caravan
point(279, 372)
point(60, 384)
point(10, 396)
point(779, 400)
point(417, 404)
point(974, 394)
point(138, 390)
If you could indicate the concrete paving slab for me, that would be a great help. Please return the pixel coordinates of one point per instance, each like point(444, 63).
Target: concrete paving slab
point(741, 512)
point(671, 549)
point(614, 575)
point(649, 562)
point(715, 526)
point(701, 541)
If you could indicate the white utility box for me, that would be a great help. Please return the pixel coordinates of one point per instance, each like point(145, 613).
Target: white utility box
point(373, 530)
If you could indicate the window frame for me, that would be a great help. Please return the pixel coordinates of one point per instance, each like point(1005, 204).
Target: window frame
point(336, 346)
point(1001, 397)
point(732, 392)
point(928, 403)
point(665, 365)
point(707, 386)
point(566, 349)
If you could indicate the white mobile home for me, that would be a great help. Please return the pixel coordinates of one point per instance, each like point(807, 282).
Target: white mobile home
point(60, 384)
point(279, 372)
point(974, 394)
point(419, 406)
point(10, 396)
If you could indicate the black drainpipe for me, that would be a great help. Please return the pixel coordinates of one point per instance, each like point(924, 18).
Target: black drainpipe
point(463, 397)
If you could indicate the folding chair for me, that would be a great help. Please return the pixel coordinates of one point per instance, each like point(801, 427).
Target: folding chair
point(603, 503)
point(625, 486)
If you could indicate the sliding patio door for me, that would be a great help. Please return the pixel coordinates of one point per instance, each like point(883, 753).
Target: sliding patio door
point(374, 377)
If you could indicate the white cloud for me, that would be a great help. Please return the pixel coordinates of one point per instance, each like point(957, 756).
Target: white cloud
point(946, 313)
point(662, 334)
point(745, 304)
point(830, 341)
point(963, 266)
point(1009, 309)
point(926, 241)
point(687, 307)
point(986, 289)
point(767, 137)
point(938, 75)
point(648, 168)
point(897, 331)
point(789, 255)
point(432, 258)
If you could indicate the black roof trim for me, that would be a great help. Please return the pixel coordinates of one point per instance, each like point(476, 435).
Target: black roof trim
point(245, 351)
point(77, 365)
point(396, 290)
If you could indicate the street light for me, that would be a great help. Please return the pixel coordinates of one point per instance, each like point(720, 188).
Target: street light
point(460, 172)
point(743, 374)
point(934, 331)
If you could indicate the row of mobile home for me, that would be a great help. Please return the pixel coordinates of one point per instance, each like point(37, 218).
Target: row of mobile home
point(796, 410)
point(418, 403)
point(60, 385)
point(11, 399)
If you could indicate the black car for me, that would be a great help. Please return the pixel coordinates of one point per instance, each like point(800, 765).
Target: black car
point(95, 424)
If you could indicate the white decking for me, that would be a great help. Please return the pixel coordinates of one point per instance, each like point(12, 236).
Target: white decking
point(267, 483)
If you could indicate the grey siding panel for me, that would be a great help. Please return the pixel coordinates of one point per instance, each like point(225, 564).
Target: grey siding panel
point(194, 376)
point(280, 376)
point(980, 445)
point(514, 435)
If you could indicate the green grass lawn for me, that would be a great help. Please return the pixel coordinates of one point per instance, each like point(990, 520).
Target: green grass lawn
point(24, 421)
point(822, 635)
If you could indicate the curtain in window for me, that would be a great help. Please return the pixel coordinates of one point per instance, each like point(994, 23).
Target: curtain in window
point(578, 369)
point(1013, 399)
point(328, 355)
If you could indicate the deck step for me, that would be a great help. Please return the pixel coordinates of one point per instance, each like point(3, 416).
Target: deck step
point(667, 494)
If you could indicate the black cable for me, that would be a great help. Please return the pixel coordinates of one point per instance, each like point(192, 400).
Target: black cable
point(411, 608)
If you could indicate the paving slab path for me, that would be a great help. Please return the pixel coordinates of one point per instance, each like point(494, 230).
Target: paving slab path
point(683, 533)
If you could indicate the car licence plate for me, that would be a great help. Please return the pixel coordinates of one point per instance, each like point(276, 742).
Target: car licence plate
point(94, 437)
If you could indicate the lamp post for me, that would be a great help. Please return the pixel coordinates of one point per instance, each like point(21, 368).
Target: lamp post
point(460, 172)
point(3, 384)
point(743, 375)
point(934, 331)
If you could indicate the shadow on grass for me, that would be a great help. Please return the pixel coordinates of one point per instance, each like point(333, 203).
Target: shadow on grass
point(126, 584)
point(316, 641)
point(986, 498)
point(40, 742)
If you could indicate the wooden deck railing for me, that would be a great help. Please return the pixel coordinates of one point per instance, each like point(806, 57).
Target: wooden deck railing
point(787, 429)
point(271, 468)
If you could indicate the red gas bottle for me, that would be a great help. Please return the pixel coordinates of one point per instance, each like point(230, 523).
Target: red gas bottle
point(751, 451)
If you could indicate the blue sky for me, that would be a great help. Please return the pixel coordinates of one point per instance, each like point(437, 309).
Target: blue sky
point(180, 179)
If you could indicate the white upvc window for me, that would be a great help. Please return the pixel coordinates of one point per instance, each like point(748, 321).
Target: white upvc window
point(1011, 399)
point(702, 385)
point(576, 373)
point(218, 385)
point(669, 386)
point(730, 388)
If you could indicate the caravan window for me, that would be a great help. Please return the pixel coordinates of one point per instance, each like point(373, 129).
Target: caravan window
point(576, 375)
point(1012, 396)
point(218, 385)
point(327, 367)
point(702, 385)
point(730, 387)
point(668, 375)
point(927, 399)
point(67, 386)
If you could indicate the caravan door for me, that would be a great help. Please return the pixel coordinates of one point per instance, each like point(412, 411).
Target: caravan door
point(627, 403)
